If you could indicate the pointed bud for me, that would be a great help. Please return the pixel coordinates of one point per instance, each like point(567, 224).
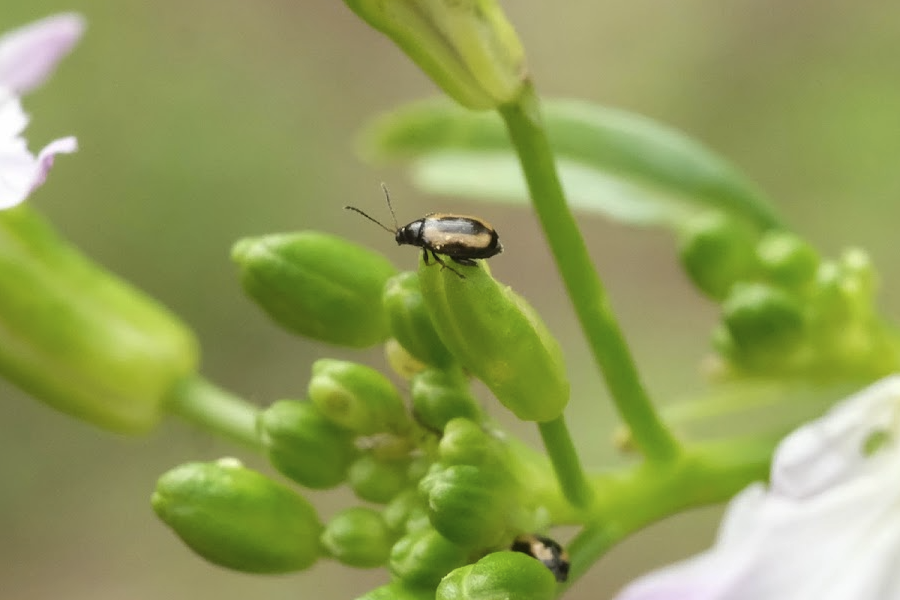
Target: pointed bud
point(77, 338)
point(471, 506)
point(238, 518)
point(356, 397)
point(497, 336)
point(465, 443)
point(304, 445)
point(317, 285)
point(467, 47)
point(358, 537)
point(500, 575)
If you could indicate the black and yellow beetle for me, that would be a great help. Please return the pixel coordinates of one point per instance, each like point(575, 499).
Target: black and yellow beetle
point(461, 238)
point(545, 550)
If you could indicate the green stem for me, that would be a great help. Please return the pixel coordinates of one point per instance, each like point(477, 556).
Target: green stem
point(211, 408)
point(566, 464)
point(582, 282)
point(628, 501)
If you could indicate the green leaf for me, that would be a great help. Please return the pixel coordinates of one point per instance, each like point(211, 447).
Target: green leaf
point(612, 162)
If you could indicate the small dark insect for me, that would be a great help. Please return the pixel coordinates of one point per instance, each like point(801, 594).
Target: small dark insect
point(460, 237)
point(545, 550)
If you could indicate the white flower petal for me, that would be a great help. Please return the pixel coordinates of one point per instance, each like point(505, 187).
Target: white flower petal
point(13, 119)
point(827, 527)
point(29, 54)
point(20, 171)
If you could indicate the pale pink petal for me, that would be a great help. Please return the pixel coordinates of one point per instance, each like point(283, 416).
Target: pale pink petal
point(29, 54)
point(66, 145)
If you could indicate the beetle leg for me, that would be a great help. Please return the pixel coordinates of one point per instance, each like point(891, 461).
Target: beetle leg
point(441, 262)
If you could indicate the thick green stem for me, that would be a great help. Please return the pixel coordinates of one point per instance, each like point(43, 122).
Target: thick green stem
point(582, 282)
point(630, 500)
point(211, 408)
point(566, 464)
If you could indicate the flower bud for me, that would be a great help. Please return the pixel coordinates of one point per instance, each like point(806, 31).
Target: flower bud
point(401, 361)
point(358, 537)
point(423, 557)
point(377, 480)
point(787, 260)
point(441, 395)
point(717, 251)
point(77, 338)
point(499, 575)
point(405, 507)
point(471, 506)
point(409, 320)
point(765, 323)
point(496, 335)
point(467, 47)
point(304, 445)
point(399, 590)
point(356, 397)
point(465, 443)
point(317, 285)
point(238, 518)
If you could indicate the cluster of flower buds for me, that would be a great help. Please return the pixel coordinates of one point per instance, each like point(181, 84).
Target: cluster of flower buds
point(786, 311)
point(443, 494)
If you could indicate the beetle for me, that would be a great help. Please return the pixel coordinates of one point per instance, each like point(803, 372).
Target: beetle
point(460, 237)
point(545, 550)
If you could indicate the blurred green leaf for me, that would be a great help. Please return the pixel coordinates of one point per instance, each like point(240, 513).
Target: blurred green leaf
point(622, 165)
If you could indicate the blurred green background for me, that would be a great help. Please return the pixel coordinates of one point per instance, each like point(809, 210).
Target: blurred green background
point(205, 120)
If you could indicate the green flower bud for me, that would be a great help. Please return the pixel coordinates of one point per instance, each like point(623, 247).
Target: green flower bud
point(238, 518)
point(357, 397)
point(860, 277)
point(766, 324)
point(358, 537)
point(497, 336)
point(317, 285)
point(410, 322)
point(423, 557)
point(787, 260)
point(377, 480)
point(717, 251)
point(499, 575)
point(465, 443)
point(401, 361)
point(406, 506)
point(471, 506)
point(399, 590)
point(304, 445)
point(467, 47)
point(439, 396)
point(74, 336)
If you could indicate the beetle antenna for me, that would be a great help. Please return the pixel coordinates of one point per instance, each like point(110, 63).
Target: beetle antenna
point(379, 223)
point(387, 196)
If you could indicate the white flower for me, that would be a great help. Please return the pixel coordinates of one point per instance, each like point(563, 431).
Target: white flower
point(827, 527)
point(28, 56)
